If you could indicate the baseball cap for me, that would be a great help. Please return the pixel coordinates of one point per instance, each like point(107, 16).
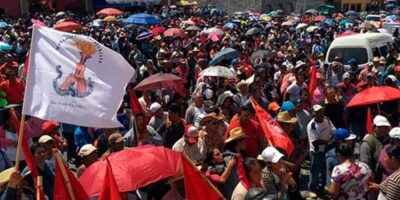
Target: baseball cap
point(271, 154)
point(395, 133)
point(317, 107)
point(154, 107)
point(287, 106)
point(86, 150)
point(380, 120)
point(346, 75)
point(341, 134)
point(45, 138)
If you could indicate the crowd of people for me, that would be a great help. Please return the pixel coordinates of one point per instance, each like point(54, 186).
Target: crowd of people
point(212, 119)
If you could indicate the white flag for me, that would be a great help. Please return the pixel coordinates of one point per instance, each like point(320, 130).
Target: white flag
point(74, 79)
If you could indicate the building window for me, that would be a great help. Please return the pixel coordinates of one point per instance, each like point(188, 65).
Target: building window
point(358, 7)
point(345, 7)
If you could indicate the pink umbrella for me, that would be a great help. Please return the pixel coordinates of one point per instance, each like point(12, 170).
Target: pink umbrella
point(175, 32)
point(158, 81)
point(109, 12)
point(67, 26)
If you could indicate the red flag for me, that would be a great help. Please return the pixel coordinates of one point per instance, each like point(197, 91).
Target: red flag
point(369, 122)
point(135, 105)
point(312, 85)
point(110, 189)
point(197, 186)
point(272, 130)
point(15, 123)
point(61, 184)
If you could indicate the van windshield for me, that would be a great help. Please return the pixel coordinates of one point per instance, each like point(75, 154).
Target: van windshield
point(360, 54)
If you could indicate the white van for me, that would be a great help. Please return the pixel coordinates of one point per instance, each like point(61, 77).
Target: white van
point(362, 47)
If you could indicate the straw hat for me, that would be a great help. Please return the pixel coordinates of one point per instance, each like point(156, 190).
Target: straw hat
point(285, 117)
point(211, 117)
point(235, 134)
point(5, 175)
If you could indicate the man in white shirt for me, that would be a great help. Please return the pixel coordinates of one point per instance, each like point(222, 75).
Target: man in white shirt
point(320, 132)
point(193, 146)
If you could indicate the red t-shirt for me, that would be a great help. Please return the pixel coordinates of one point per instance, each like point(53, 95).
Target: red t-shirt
point(14, 90)
point(253, 132)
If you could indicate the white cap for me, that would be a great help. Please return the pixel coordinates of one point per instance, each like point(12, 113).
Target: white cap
point(45, 138)
point(299, 64)
point(395, 133)
point(317, 107)
point(154, 107)
point(380, 120)
point(352, 136)
point(86, 150)
point(392, 77)
point(271, 154)
point(346, 75)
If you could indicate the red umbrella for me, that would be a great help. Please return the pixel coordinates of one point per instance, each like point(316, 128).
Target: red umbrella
point(109, 11)
point(158, 81)
point(133, 168)
point(175, 32)
point(374, 95)
point(67, 26)
point(158, 30)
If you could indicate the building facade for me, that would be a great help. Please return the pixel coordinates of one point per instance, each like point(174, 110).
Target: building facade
point(358, 5)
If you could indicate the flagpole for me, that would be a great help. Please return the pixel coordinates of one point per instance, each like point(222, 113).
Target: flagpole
point(20, 138)
point(202, 175)
point(39, 182)
point(60, 163)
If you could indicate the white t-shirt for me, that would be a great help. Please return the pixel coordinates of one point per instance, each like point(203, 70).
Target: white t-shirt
point(320, 131)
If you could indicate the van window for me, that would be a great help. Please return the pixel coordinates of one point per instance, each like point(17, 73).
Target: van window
point(360, 54)
point(375, 52)
point(383, 51)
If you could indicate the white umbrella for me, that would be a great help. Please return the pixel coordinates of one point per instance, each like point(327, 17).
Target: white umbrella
point(312, 28)
point(214, 30)
point(301, 25)
point(218, 71)
point(288, 23)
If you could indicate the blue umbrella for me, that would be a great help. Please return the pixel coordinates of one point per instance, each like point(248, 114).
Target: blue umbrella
point(5, 47)
point(230, 25)
point(3, 24)
point(142, 19)
point(329, 22)
point(225, 54)
point(352, 13)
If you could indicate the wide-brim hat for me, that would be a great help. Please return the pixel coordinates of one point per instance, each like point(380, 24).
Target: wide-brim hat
point(235, 134)
point(211, 117)
point(284, 117)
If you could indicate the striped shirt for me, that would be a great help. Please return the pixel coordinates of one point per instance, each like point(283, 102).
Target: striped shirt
point(390, 187)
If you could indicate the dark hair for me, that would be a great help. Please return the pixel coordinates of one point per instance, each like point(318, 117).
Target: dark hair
point(35, 146)
point(393, 151)
point(247, 107)
point(345, 150)
point(174, 108)
point(248, 164)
